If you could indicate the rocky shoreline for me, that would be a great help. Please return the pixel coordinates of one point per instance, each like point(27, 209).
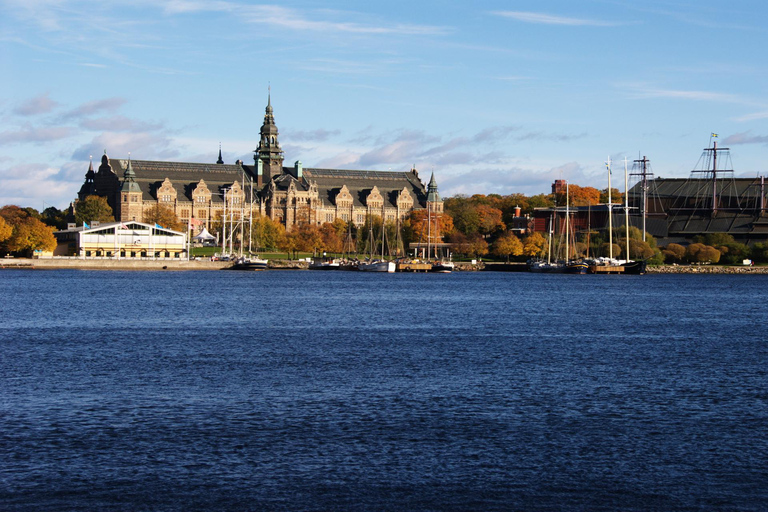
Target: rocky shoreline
point(706, 269)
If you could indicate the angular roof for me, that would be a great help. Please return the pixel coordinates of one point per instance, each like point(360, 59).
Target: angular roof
point(184, 177)
point(360, 183)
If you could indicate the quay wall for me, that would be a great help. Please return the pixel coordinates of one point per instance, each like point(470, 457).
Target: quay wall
point(112, 264)
point(705, 269)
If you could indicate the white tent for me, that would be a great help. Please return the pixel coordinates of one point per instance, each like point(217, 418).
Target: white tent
point(204, 237)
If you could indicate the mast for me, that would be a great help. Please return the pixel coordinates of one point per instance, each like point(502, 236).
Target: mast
point(626, 205)
point(644, 173)
point(567, 224)
point(429, 231)
point(714, 171)
point(610, 207)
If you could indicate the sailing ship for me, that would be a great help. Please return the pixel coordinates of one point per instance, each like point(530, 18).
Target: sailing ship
point(610, 265)
point(379, 264)
point(566, 265)
point(254, 263)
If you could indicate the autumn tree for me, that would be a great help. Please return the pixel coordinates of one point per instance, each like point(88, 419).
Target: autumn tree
point(93, 209)
point(441, 225)
point(506, 245)
point(28, 233)
point(674, 253)
point(163, 216)
point(700, 253)
point(308, 238)
point(490, 219)
point(332, 239)
point(534, 244)
point(266, 233)
point(579, 196)
point(5, 230)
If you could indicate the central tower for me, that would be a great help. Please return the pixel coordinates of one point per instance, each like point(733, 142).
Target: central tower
point(269, 155)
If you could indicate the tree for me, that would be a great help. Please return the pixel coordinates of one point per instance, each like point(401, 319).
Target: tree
point(616, 196)
point(309, 238)
point(5, 230)
point(54, 217)
point(674, 253)
point(266, 233)
point(534, 244)
point(93, 209)
point(579, 196)
point(700, 253)
point(464, 214)
point(332, 240)
point(490, 219)
point(506, 245)
point(441, 225)
point(163, 216)
point(27, 232)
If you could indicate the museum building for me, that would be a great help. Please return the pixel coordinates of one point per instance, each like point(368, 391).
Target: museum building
point(199, 193)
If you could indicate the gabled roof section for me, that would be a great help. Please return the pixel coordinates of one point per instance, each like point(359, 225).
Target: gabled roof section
point(360, 184)
point(184, 177)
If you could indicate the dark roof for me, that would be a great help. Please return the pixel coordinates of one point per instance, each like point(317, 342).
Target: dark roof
point(184, 176)
point(330, 181)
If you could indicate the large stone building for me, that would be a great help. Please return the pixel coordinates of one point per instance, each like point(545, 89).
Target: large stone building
point(199, 193)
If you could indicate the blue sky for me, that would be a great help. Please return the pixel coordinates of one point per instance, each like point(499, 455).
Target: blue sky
point(494, 97)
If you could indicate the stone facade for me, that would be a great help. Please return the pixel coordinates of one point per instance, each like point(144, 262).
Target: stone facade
point(290, 195)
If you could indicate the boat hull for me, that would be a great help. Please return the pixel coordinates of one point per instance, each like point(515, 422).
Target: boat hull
point(377, 266)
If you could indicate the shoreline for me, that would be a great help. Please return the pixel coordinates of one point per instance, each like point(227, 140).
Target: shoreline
point(109, 264)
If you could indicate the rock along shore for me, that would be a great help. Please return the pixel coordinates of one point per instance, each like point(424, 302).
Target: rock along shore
point(706, 269)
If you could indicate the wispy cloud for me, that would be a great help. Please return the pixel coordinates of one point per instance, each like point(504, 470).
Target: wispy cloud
point(95, 107)
point(35, 135)
point(311, 136)
point(549, 19)
point(293, 19)
point(745, 138)
point(142, 146)
point(640, 91)
point(42, 104)
point(119, 124)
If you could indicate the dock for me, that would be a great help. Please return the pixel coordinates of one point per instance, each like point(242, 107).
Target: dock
point(413, 267)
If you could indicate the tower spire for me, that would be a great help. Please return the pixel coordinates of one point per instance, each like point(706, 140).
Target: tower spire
point(220, 160)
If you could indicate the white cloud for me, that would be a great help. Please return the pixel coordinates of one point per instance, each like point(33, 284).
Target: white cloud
point(548, 19)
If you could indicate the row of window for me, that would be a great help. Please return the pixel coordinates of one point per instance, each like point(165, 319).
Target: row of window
point(131, 254)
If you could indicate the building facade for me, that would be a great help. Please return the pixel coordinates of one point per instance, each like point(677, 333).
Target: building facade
point(201, 193)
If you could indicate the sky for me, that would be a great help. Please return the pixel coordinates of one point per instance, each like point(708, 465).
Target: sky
point(492, 96)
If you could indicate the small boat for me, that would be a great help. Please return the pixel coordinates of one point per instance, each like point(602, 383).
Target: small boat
point(613, 266)
point(377, 266)
point(442, 267)
point(325, 264)
point(576, 267)
point(542, 266)
point(249, 264)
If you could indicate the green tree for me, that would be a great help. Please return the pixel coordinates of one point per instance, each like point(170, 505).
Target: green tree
point(93, 209)
point(54, 217)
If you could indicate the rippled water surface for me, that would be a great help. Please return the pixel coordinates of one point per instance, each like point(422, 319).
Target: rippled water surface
point(290, 390)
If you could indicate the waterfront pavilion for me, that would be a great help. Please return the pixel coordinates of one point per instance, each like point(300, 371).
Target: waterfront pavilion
point(121, 240)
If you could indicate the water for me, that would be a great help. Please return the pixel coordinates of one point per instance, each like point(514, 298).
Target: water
point(352, 391)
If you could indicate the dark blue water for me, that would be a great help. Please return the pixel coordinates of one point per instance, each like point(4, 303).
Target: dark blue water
point(352, 391)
